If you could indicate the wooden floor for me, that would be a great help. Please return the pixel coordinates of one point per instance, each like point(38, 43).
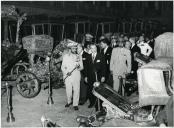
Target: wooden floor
point(28, 112)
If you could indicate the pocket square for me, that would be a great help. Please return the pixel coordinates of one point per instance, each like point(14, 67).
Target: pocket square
point(84, 58)
point(98, 61)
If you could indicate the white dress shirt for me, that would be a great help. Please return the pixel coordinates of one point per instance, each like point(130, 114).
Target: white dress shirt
point(145, 48)
point(105, 49)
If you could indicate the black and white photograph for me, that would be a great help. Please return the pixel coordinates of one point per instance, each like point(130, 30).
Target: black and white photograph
point(87, 63)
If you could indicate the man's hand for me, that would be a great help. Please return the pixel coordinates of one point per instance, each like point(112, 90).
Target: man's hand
point(162, 125)
point(78, 66)
point(86, 79)
point(103, 79)
point(132, 72)
point(140, 64)
point(68, 74)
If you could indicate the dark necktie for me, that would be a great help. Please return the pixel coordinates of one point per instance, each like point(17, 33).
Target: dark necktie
point(93, 57)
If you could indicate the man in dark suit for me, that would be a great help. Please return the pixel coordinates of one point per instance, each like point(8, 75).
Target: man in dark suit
point(134, 49)
point(151, 43)
point(95, 72)
point(83, 84)
point(106, 51)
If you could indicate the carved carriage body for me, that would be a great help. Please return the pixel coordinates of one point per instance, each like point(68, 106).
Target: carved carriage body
point(29, 81)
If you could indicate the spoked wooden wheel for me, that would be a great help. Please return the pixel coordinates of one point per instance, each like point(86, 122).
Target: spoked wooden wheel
point(18, 69)
point(28, 85)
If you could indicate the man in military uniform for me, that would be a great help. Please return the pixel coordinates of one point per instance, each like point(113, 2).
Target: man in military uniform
point(120, 63)
point(71, 66)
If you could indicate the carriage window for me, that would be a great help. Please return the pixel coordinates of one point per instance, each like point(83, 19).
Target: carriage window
point(93, 29)
point(2, 30)
point(59, 32)
point(120, 27)
point(46, 29)
point(12, 32)
point(25, 31)
point(69, 30)
point(39, 29)
point(127, 27)
point(113, 27)
point(139, 26)
point(87, 28)
point(106, 28)
point(99, 32)
point(54, 31)
point(80, 28)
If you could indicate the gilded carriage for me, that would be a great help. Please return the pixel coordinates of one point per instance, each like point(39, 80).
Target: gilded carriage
point(28, 66)
point(43, 67)
point(39, 48)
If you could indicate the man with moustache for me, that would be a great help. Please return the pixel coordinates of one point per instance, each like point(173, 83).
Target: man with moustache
point(95, 72)
point(71, 66)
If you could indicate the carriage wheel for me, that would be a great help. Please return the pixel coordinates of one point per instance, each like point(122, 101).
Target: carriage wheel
point(28, 85)
point(17, 69)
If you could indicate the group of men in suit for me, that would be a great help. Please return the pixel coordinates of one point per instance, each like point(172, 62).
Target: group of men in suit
point(95, 68)
point(104, 64)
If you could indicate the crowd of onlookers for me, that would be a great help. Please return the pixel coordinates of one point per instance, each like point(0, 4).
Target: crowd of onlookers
point(105, 61)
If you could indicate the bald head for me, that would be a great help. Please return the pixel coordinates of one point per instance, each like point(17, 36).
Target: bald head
point(121, 42)
point(128, 45)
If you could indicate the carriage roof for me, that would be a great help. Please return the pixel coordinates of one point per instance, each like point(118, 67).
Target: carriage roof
point(160, 64)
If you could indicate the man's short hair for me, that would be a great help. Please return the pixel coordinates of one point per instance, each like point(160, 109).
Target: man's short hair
point(105, 41)
point(86, 44)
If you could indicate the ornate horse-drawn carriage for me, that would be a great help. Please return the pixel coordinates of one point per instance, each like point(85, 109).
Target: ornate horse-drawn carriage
point(39, 48)
point(27, 66)
point(29, 75)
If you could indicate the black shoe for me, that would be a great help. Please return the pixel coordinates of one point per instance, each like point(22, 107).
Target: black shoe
point(90, 106)
point(76, 108)
point(81, 103)
point(67, 105)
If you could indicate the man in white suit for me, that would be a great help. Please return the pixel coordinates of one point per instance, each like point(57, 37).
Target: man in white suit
point(120, 63)
point(72, 62)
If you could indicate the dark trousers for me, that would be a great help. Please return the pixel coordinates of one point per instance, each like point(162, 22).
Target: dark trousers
point(93, 99)
point(83, 90)
point(98, 105)
point(109, 80)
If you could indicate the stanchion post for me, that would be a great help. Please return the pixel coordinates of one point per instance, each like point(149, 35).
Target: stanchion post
point(50, 99)
point(10, 117)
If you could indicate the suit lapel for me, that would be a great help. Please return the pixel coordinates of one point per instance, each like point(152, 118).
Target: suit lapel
point(106, 51)
point(103, 52)
point(96, 57)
